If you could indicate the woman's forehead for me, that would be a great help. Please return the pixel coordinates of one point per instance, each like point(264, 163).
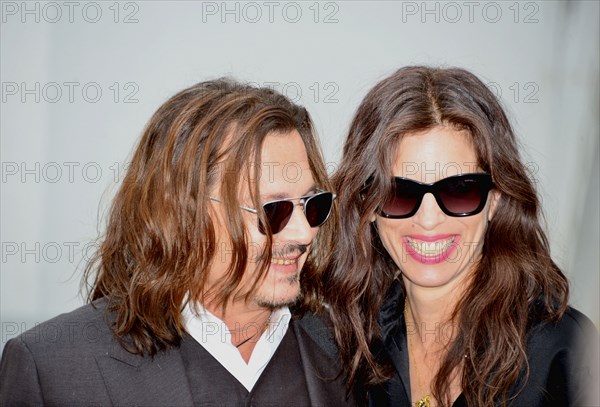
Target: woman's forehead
point(435, 154)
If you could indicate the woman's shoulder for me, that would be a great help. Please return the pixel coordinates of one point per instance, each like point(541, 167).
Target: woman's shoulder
point(569, 345)
point(563, 359)
point(574, 319)
point(573, 325)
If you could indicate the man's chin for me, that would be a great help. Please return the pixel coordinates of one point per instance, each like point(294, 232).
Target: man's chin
point(279, 300)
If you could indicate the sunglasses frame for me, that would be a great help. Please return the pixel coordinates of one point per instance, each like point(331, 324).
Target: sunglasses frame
point(304, 201)
point(486, 181)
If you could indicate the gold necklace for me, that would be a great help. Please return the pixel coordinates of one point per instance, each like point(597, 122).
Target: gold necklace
point(424, 401)
point(258, 332)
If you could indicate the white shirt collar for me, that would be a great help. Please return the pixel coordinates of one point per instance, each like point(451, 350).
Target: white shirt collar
point(212, 333)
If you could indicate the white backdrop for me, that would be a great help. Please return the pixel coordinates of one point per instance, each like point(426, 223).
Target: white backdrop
point(80, 79)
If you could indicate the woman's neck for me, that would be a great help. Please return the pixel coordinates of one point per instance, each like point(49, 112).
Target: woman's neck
point(430, 329)
point(429, 312)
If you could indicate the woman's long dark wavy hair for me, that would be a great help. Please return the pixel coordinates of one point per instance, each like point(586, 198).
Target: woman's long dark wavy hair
point(160, 238)
point(514, 275)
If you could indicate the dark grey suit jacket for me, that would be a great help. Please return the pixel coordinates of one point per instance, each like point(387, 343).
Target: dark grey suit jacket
point(75, 360)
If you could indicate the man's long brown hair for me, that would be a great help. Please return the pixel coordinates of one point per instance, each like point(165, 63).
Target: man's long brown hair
point(160, 237)
point(515, 274)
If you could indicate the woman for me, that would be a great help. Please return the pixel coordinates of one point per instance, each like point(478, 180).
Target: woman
point(442, 289)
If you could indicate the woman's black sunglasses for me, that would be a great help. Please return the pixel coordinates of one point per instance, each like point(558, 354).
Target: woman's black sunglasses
point(317, 208)
point(460, 195)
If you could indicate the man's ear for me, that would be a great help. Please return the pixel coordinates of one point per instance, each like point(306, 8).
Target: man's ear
point(494, 197)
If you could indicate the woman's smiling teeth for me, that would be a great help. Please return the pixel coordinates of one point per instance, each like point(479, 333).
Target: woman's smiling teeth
point(430, 248)
point(282, 261)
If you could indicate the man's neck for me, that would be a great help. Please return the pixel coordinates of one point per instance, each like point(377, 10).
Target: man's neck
point(245, 322)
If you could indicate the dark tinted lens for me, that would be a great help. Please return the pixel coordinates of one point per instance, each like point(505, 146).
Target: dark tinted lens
point(278, 214)
point(317, 208)
point(461, 195)
point(404, 198)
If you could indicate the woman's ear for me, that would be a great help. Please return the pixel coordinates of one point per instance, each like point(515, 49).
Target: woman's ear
point(494, 196)
point(372, 218)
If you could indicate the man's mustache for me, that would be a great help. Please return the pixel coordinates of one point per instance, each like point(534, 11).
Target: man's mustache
point(289, 250)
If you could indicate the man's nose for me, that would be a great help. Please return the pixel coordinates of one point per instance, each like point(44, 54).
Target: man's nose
point(298, 229)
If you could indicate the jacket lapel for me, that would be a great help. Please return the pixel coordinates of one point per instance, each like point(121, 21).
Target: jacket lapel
point(319, 360)
point(135, 380)
point(393, 332)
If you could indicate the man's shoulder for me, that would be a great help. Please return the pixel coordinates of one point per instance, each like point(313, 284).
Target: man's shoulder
point(86, 326)
point(319, 328)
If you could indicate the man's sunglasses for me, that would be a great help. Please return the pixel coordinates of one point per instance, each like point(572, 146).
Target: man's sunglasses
point(460, 195)
point(316, 207)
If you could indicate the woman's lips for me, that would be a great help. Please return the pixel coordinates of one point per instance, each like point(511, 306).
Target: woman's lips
point(430, 249)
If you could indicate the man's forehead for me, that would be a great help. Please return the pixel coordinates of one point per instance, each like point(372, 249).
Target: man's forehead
point(284, 171)
point(278, 180)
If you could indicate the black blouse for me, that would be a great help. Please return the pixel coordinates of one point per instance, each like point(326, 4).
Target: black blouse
point(563, 361)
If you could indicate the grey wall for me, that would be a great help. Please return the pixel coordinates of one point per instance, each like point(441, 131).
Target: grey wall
point(63, 154)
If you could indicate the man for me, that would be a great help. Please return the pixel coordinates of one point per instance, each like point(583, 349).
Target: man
point(211, 238)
